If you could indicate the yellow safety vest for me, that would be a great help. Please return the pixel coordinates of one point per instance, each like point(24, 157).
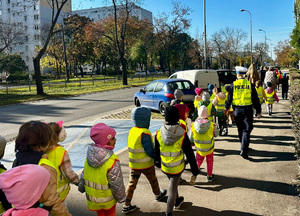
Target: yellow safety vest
point(270, 97)
point(204, 143)
point(209, 108)
point(138, 158)
point(212, 97)
point(98, 194)
point(172, 157)
point(184, 123)
point(241, 93)
point(56, 156)
point(221, 104)
point(259, 91)
point(1, 206)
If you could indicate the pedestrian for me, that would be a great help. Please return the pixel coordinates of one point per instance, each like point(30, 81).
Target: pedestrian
point(243, 96)
point(285, 86)
point(252, 74)
point(263, 74)
point(211, 108)
point(33, 140)
point(4, 204)
point(198, 98)
point(178, 94)
point(202, 135)
point(101, 178)
point(210, 88)
point(183, 114)
point(24, 187)
point(219, 103)
point(61, 160)
point(271, 98)
point(141, 156)
point(171, 144)
point(229, 113)
point(279, 78)
point(271, 77)
point(260, 92)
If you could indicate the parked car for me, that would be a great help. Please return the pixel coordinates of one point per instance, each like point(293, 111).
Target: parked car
point(158, 93)
point(142, 73)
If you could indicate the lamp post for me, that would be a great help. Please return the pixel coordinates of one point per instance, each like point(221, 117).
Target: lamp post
point(242, 10)
point(271, 47)
point(205, 48)
point(265, 41)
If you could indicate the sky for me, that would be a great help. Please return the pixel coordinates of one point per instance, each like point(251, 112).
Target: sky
point(275, 17)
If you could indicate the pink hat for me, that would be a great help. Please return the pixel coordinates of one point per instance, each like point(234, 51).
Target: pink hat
point(198, 91)
point(24, 185)
point(101, 134)
point(60, 123)
point(203, 112)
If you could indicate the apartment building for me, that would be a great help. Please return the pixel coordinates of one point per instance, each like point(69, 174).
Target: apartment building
point(27, 18)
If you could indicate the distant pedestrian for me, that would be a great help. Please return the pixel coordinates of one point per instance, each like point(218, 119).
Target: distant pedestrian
point(271, 77)
point(101, 178)
point(61, 160)
point(141, 156)
point(271, 98)
point(212, 111)
point(210, 89)
point(24, 186)
point(285, 86)
point(202, 135)
point(252, 74)
point(198, 98)
point(262, 75)
point(171, 143)
point(219, 103)
point(243, 97)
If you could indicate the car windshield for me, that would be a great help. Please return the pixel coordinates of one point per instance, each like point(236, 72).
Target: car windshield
point(181, 85)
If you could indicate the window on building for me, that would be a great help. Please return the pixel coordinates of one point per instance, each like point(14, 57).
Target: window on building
point(8, 1)
point(25, 18)
point(36, 17)
point(26, 48)
point(25, 27)
point(27, 58)
point(24, 8)
point(21, 53)
point(13, 14)
point(8, 10)
point(0, 3)
point(0, 12)
point(26, 38)
point(36, 37)
point(36, 27)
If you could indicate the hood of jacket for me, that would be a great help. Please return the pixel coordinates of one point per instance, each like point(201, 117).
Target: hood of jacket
point(97, 156)
point(269, 91)
point(202, 126)
point(171, 133)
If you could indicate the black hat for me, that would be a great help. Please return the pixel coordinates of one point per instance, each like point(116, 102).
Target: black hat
point(172, 115)
point(269, 84)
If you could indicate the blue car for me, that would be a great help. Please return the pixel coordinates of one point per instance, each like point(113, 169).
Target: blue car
point(158, 93)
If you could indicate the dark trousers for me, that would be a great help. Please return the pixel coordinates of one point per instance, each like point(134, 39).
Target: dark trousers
point(244, 122)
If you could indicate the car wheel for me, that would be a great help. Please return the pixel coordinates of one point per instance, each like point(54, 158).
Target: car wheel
point(162, 108)
point(137, 102)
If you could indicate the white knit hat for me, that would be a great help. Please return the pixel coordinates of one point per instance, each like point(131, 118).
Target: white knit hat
point(2, 146)
point(203, 112)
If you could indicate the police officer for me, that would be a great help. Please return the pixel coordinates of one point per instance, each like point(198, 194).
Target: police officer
point(243, 96)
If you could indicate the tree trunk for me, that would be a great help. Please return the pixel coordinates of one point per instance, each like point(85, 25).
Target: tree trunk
point(124, 70)
point(38, 76)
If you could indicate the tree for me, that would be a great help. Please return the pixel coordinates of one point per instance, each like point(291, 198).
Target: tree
point(295, 37)
point(286, 55)
point(13, 63)
point(57, 6)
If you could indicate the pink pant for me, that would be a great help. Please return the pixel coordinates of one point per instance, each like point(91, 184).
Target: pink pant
point(209, 162)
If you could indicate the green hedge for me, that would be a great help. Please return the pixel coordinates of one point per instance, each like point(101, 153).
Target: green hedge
point(295, 111)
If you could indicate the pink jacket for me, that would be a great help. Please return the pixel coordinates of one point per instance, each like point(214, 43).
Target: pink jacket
point(269, 91)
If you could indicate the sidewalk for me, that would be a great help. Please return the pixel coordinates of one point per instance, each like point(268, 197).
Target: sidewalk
point(260, 186)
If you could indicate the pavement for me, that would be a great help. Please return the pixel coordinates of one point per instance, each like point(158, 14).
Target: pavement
point(260, 186)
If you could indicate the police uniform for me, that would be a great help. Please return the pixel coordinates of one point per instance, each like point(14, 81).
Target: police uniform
point(243, 97)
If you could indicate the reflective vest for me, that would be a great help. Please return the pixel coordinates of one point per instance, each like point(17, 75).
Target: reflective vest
point(270, 97)
point(138, 158)
point(98, 193)
point(56, 156)
point(1, 206)
point(259, 91)
point(209, 108)
point(172, 157)
point(241, 93)
point(221, 104)
point(204, 143)
point(212, 97)
point(182, 122)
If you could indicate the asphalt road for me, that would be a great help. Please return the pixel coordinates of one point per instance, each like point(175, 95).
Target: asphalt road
point(72, 110)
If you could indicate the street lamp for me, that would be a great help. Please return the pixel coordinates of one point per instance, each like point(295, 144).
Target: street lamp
point(271, 47)
point(242, 10)
point(265, 41)
point(205, 48)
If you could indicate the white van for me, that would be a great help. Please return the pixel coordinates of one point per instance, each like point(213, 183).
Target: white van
point(202, 77)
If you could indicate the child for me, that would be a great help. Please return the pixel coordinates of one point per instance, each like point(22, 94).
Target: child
point(230, 111)
point(4, 204)
point(260, 92)
point(61, 160)
point(33, 140)
point(219, 103)
point(24, 186)
point(178, 94)
point(183, 114)
point(141, 155)
point(202, 134)
point(198, 98)
point(102, 167)
point(211, 108)
point(171, 143)
point(271, 98)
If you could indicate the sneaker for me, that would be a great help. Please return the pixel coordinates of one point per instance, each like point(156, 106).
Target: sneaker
point(193, 180)
point(162, 195)
point(179, 202)
point(210, 178)
point(128, 209)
